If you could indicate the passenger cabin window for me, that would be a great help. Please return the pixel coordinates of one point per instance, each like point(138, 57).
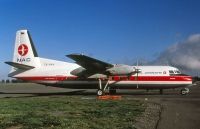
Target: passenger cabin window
point(171, 72)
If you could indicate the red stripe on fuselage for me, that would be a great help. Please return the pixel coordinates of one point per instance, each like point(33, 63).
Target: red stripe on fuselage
point(43, 78)
point(114, 78)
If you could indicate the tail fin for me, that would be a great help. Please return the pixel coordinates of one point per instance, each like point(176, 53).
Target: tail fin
point(24, 52)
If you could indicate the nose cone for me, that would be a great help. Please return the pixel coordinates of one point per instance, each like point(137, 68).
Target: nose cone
point(187, 78)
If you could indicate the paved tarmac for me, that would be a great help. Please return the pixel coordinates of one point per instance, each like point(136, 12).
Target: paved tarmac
point(177, 111)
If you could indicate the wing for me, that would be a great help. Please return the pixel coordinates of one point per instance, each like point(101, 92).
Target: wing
point(90, 64)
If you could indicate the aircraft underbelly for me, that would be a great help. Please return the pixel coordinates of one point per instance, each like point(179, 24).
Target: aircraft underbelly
point(122, 84)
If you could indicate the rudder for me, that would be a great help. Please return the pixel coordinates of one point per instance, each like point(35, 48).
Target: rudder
point(24, 51)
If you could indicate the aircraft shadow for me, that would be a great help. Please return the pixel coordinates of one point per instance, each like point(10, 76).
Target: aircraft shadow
point(31, 94)
point(80, 93)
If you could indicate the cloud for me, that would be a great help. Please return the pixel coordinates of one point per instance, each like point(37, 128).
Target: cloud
point(184, 55)
point(194, 38)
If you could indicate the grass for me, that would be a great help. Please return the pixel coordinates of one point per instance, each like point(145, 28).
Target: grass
point(68, 112)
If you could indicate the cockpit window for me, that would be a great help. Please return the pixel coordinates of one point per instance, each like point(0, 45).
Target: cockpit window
point(174, 72)
point(177, 72)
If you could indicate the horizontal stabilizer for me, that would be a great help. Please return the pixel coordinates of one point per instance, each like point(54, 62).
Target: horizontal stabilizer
point(20, 66)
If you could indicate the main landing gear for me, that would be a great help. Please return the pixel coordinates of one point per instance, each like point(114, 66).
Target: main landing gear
point(185, 91)
point(102, 89)
point(100, 92)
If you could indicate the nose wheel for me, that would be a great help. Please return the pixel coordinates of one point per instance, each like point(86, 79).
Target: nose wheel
point(185, 91)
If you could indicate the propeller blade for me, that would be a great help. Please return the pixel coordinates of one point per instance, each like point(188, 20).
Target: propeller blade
point(137, 74)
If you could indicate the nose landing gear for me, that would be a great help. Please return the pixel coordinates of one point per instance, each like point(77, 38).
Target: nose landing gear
point(185, 91)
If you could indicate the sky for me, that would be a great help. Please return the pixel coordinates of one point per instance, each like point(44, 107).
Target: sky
point(116, 31)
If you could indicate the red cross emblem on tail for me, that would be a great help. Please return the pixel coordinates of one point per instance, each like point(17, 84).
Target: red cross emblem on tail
point(23, 49)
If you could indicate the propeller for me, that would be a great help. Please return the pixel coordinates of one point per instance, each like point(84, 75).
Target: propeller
point(137, 71)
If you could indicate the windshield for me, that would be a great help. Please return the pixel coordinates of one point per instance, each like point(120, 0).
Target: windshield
point(174, 72)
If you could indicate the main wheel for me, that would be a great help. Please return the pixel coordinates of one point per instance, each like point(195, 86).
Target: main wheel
point(100, 92)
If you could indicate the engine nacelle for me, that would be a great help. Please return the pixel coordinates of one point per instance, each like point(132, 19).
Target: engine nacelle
point(79, 71)
point(122, 70)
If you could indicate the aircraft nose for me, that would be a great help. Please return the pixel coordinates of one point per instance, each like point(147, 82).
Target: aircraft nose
point(192, 79)
point(188, 78)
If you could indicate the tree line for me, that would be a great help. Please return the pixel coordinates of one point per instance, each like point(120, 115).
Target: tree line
point(12, 81)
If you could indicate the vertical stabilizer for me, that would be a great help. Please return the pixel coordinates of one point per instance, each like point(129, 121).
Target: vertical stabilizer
point(24, 51)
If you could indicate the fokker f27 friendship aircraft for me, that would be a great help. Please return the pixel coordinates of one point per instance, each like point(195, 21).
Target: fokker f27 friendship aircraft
point(90, 73)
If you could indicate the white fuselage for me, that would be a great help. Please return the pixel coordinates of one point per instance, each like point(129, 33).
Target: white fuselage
point(57, 73)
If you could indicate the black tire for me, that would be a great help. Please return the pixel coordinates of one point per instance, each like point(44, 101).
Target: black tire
point(100, 92)
point(183, 92)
